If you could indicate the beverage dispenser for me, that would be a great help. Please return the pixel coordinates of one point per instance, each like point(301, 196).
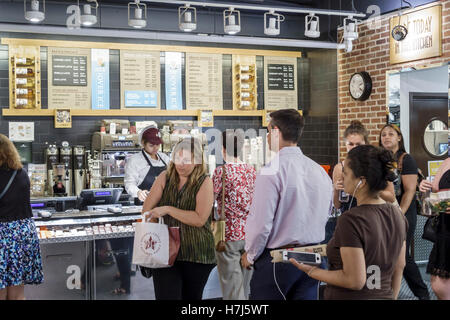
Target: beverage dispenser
point(51, 158)
point(79, 168)
point(65, 158)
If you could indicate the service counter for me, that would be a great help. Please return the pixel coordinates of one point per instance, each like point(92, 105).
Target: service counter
point(83, 252)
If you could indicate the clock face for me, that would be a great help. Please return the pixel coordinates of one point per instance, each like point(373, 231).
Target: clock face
point(357, 86)
point(360, 86)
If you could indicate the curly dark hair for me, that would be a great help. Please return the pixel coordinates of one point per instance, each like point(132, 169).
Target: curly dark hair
point(374, 163)
point(356, 127)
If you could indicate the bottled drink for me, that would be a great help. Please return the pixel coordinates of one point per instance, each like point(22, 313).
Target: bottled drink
point(25, 61)
point(25, 82)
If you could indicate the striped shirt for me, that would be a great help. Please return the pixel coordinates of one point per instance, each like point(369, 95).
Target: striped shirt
point(197, 243)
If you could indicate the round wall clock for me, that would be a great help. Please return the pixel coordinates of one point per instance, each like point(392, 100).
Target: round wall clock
point(360, 86)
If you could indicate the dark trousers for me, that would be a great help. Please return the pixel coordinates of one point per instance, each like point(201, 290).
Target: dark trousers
point(411, 272)
point(123, 251)
point(295, 284)
point(182, 281)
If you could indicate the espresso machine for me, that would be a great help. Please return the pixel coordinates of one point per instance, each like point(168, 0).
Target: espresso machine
point(65, 158)
point(79, 169)
point(51, 158)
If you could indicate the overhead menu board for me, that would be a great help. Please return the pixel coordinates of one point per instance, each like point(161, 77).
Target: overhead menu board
point(68, 78)
point(140, 79)
point(280, 85)
point(204, 81)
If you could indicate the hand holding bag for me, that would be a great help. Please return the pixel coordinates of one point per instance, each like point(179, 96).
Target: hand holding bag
point(155, 244)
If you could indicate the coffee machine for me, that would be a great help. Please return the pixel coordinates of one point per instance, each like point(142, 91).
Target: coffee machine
point(65, 158)
point(51, 158)
point(79, 169)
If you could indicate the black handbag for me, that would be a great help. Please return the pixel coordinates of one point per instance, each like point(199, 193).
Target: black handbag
point(430, 229)
point(146, 272)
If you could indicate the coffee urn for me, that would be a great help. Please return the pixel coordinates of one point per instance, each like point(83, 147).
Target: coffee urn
point(51, 158)
point(79, 169)
point(65, 158)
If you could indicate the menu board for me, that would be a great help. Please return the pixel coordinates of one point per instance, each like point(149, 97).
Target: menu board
point(69, 70)
point(140, 79)
point(280, 77)
point(280, 85)
point(204, 81)
point(68, 74)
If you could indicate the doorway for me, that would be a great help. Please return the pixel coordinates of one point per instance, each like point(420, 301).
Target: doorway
point(428, 127)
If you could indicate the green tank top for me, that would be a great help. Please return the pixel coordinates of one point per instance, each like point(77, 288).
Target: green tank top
point(197, 243)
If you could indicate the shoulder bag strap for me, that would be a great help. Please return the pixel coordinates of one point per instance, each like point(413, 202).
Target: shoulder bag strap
point(223, 193)
point(9, 184)
point(400, 162)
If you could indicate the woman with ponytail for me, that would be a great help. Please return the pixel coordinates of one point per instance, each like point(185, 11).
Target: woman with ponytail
point(366, 254)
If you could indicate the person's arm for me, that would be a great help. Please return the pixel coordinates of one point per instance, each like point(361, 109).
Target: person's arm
point(409, 182)
point(442, 169)
point(260, 218)
point(155, 194)
point(337, 176)
point(352, 276)
point(196, 218)
point(388, 194)
point(398, 271)
point(131, 178)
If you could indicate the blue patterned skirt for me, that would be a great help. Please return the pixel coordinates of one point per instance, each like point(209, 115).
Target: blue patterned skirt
point(20, 256)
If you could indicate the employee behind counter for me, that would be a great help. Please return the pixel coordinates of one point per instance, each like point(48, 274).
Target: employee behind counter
point(143, 167)
point(141, 171)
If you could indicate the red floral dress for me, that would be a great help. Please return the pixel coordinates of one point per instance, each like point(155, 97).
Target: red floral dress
point(239, 187)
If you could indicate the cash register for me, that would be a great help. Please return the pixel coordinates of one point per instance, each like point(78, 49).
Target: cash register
point(95, 199)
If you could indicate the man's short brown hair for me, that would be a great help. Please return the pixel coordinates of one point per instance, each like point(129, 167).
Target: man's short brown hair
point(289, 122)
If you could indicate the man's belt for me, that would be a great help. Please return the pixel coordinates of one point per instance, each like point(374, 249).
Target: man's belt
point(277, 254)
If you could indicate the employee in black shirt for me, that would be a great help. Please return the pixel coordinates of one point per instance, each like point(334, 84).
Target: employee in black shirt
point(391, 139)
point(20, 257)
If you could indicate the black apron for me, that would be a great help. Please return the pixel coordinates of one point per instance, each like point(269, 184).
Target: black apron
point(150, 178)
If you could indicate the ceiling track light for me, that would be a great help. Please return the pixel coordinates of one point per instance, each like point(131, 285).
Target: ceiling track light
point(399, 32)
point(231, 21)
point(187, 18)
point(272, 22)
point(312, 26)
point(350, 28)
point(137, 21)
point(87, 18)
point(34, 15)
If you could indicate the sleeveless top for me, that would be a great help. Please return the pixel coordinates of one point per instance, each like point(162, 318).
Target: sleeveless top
point(444, 183)
point(196, 243)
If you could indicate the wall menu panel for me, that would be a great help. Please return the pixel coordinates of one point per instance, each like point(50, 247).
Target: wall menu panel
point(68, 78)
point(174, 95)
point(204, 81)
point(280, 85)
point(100, 79)
point(140, 81)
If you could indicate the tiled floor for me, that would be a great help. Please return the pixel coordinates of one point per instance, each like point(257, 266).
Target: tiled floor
point(405, 292)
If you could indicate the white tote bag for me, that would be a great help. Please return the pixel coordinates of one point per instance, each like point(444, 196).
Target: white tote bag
point(155, 245)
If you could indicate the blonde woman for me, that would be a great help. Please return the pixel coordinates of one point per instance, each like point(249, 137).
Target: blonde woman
point(183, 195)
point(20, 257)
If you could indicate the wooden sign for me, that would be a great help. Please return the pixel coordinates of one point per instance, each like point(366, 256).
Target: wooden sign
point(424, 38)
point(63, 118)
point(205, 118)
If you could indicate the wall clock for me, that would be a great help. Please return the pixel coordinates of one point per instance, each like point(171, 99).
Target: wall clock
point(360, 86)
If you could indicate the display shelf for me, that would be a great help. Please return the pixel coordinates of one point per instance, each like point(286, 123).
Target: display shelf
point(113, 235)
point(6, 112)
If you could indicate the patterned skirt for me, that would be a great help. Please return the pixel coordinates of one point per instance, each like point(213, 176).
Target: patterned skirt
point(20, 256)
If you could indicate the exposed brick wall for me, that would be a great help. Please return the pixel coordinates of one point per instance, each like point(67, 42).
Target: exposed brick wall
point(371, 54)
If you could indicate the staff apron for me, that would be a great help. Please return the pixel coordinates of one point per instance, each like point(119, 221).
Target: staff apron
point(150, 178)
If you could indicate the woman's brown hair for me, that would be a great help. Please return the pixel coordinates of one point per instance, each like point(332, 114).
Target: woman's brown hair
point(9, 157)
point(356, 127)
point(195, 147)
point(401, 143)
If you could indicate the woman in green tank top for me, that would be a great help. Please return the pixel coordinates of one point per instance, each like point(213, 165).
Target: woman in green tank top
point(184, 196)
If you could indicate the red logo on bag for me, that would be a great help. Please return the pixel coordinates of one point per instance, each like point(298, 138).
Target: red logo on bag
point(150, 243)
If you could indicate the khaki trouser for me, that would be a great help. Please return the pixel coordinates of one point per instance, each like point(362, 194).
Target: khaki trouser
point(234, 280)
